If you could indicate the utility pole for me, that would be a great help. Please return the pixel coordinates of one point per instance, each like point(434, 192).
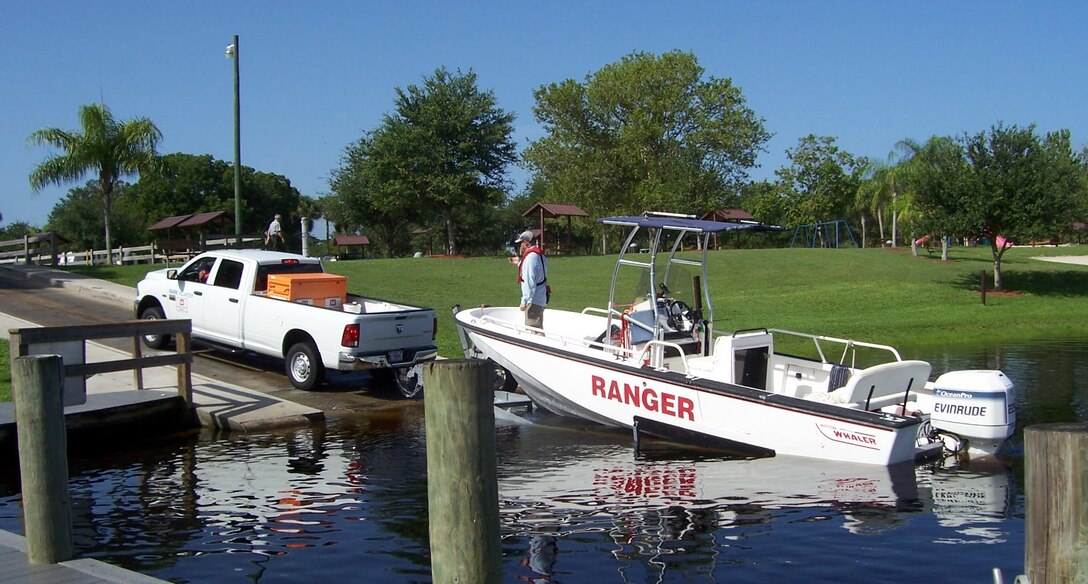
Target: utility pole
point(232, 53)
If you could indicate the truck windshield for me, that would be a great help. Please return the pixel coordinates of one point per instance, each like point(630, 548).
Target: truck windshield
point(264, 270)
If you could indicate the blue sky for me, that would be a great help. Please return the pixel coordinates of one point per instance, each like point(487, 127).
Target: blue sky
point(316, 75)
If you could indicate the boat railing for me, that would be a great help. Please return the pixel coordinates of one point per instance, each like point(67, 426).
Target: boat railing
point(619, 315)
point(601, 311)
point(619, 351)
point(849, 345)
point(664, 345)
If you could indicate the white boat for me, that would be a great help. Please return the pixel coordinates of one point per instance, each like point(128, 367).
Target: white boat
point(658, 365)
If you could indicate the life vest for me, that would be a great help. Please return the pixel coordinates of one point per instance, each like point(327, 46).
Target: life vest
point(533, 249)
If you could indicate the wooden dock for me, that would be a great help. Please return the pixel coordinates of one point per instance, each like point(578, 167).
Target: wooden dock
point(16, 567)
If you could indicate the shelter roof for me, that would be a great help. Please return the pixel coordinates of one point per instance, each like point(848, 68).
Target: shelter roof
point(201, 219)
point(555, 210)
point(193, 220)
point(351, 240)
point(168, 222)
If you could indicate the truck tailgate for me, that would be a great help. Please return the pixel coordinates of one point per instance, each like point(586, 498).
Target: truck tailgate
point(382, 332)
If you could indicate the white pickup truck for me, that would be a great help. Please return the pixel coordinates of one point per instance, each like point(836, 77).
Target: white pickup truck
point(225, 294)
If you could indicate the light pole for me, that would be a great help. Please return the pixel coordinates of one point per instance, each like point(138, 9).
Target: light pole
point(232, 53)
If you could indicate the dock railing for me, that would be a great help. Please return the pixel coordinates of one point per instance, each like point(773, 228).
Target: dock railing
point(41, 340)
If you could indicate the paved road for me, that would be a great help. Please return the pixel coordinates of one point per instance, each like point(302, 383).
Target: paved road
point(41, 297)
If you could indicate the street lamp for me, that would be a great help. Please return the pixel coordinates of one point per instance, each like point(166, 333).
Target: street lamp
point(232, 53)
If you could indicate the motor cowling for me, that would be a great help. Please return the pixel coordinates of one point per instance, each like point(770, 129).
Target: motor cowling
point(976, 404)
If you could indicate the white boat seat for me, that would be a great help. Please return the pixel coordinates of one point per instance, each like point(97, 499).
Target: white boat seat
point(878, 386)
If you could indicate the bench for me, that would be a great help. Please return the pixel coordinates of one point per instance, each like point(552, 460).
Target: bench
point(878, 386)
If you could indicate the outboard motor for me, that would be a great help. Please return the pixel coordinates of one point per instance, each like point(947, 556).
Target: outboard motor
point(977, 406)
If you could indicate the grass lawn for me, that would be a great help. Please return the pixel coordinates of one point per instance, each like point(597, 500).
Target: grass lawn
point(878, 295)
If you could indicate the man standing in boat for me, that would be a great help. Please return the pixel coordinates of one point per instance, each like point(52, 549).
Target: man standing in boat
point(533, 278)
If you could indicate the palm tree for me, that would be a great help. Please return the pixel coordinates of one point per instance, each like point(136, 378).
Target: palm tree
point(113, 149)
point(308, 208)
point(868, 198)
point(879, 190)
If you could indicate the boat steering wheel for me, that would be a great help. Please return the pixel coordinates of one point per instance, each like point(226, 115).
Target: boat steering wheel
point(679, 315)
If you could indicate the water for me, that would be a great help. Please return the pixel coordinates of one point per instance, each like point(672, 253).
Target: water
point(349, 502)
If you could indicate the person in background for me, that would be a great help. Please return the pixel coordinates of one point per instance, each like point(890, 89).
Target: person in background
point(273, 237)
point(533, 279)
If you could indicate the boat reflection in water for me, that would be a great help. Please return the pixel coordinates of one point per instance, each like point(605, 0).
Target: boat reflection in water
point(666, 502)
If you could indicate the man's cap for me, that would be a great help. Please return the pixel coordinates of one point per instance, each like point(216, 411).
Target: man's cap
point(525, 236)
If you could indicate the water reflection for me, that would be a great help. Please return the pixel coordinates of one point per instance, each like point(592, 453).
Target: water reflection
point(656, 514)
point(349, 502)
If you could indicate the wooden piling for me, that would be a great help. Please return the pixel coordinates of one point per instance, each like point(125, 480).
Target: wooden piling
point(462, 484)
point(43, 456)
point(1056, 485)
point(982, 285)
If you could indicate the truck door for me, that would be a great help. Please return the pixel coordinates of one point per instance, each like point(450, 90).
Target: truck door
point(192, 285)
point(223, 301)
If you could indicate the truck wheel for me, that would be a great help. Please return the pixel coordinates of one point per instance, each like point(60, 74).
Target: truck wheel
point(154, 341)
point(303, 365)
point(410, 381)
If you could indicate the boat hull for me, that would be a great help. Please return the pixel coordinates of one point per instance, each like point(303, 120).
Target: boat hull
point(568, 376)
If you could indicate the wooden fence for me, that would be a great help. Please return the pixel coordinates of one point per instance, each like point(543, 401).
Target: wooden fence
point(43, 248)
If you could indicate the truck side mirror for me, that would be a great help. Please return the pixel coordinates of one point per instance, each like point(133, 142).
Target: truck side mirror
point(172, 274)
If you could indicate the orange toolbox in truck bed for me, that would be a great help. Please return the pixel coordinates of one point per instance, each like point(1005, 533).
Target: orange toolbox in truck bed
point(328, 290)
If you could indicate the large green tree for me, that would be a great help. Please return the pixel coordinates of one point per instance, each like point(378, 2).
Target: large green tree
point(647, 133)
point(372, 193)
point(17, 230)
point(443, 152)
point(188, 183)
point(76, 218)
point(1008, 182)
point(820, 183)
point(108, 147)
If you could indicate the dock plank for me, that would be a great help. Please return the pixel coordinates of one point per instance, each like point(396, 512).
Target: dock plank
point(15, 568)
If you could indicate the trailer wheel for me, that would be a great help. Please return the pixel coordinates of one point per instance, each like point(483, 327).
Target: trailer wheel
point(504, 380)
point(303, 365)
point(154, 341)
point(410, 381)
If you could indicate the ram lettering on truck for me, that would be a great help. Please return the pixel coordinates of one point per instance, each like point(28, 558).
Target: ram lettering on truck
point(286, 306)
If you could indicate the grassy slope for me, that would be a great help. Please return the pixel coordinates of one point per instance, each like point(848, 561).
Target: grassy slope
point(874, 294)
point(878, 295)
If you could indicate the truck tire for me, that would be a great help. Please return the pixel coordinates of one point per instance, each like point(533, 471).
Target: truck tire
point(303, 366)
point(154, 341)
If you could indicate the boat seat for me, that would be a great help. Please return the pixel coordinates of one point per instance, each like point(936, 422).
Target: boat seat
point(604, 334)
point(839, 377)
point(880, 385)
